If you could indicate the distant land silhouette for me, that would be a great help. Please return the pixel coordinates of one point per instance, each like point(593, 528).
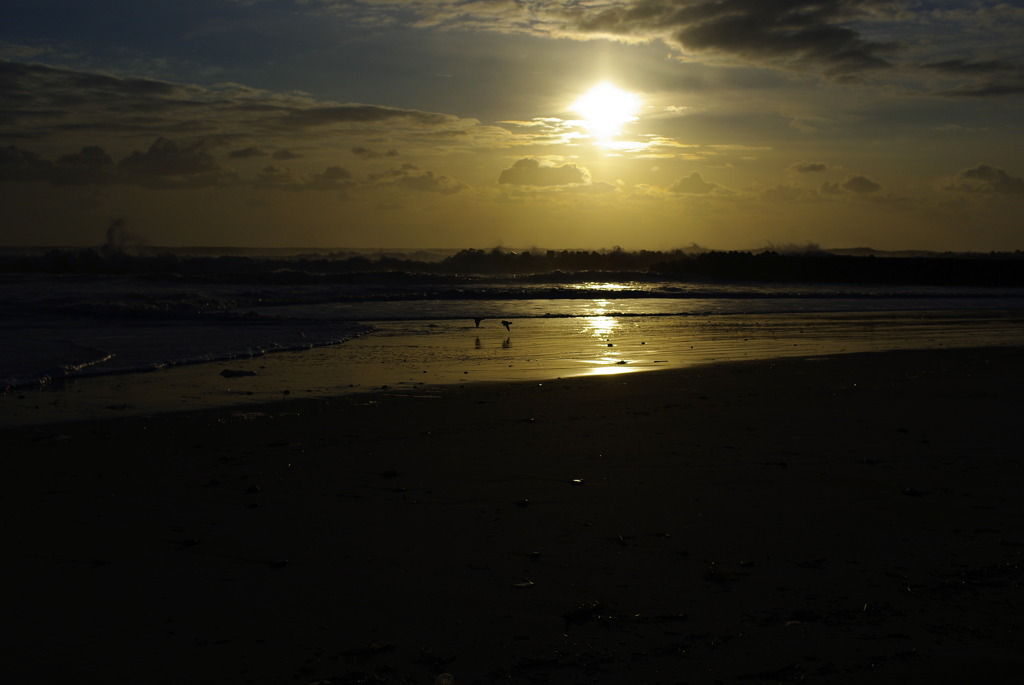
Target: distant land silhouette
point(809, 265)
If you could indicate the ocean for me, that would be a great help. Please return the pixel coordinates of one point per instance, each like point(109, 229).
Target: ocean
point(134, 333)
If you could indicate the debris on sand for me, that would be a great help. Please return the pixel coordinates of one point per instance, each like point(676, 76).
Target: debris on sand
point(236, 373)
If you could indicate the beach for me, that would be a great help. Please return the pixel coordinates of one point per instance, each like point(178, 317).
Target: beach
point(410, 355)
point(836, 519)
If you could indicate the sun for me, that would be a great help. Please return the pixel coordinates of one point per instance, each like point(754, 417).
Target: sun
point(605, 109)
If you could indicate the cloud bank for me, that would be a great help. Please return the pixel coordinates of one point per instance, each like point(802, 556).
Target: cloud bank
point(45, 103)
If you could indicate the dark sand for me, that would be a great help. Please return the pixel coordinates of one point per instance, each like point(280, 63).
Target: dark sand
point(848, 519)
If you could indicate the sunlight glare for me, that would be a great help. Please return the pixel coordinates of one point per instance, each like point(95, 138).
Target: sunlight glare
point(594, 285)
point(600, 326)
point(606, 109)
point(609, 370)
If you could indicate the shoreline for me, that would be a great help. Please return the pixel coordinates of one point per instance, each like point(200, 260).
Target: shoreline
point(839, 519)
point(417, 354)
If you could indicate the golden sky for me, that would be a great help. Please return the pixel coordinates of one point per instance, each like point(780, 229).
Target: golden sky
point(645, 124)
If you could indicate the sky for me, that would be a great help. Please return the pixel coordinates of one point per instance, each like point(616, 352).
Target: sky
point(559, 124)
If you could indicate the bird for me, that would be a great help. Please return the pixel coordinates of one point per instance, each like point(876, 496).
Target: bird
point(477, 322)
point(506, 324)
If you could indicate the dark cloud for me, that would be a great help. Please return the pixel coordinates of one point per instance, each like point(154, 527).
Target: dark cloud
point(165, 158)
point(41, 83)
point(411, 177)
point(282, 178)
point(858, 185)
point(818, 35)
point(694, 184)
point(429, 182)
point(51, 103)
point(806, 34)
point(22, 165)
point(997, 77)
point(986, 180)
point(530, 172)
point(166, 165)
point(286, 155)
point(363, 114)
point(246, 153)
point(861, 185)
point(831, 189)
point(808, 167)
point(367, 153)
point(963, 66)
point(41, 101)
point(272, 176)
point(91, 166)
point(985, 90)
point(163, 165)
point(118, 86)
point(336, 173)
point(332, 178)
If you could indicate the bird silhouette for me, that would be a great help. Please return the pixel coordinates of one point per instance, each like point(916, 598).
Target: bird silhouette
point(506, 324)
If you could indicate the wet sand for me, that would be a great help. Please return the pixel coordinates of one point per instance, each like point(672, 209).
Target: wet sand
point(411, 355)
point(844, 519)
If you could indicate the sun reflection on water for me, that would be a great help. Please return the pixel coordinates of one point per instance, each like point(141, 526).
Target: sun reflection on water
point(613, 370)
point(600, 326)
point(595, 308)
point(600, 286)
